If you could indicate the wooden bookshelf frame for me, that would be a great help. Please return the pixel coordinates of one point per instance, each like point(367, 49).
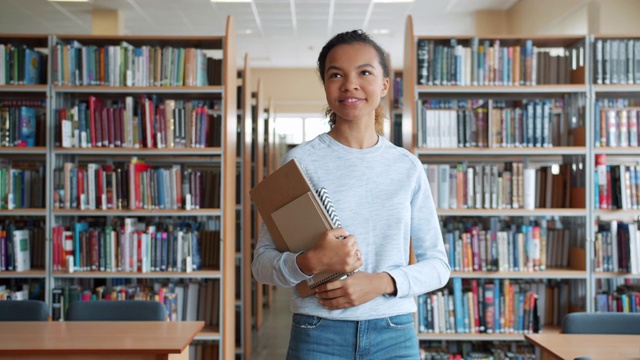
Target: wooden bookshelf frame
point(225, 45)
point(414, 92)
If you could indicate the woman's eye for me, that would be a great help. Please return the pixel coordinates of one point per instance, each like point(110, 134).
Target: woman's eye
point(366, 72)
point(334, 75)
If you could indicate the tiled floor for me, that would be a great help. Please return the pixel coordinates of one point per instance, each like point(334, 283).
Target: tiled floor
point(272, 340)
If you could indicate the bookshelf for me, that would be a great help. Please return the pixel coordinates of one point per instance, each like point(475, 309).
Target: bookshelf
point(615, 150)
point(247, 171)
point(23, 161)
point(471, 126)
point(94, 97)
point(258, 155)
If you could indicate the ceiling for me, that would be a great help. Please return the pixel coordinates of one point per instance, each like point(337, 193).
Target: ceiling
point(275, 33)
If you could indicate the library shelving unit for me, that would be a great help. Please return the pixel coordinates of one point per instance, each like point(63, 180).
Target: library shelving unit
point(143, 152)
point(258, 173)
point(23, 163)
point(616, 105)
point(245, 186)
point(469, 114)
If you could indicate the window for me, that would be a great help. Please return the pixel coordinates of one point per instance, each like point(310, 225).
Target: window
point(296, 130)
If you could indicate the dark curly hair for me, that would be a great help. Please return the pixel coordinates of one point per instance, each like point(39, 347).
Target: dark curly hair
point(352, 37)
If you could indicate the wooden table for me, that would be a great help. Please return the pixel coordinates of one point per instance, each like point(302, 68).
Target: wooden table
point(597, 347)
point(97, 339)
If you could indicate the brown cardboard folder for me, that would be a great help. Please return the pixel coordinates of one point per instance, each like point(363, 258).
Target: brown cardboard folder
point(293, 214)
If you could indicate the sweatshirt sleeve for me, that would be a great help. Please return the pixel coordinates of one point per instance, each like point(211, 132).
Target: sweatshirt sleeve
point(431, 270)
point(270, 266)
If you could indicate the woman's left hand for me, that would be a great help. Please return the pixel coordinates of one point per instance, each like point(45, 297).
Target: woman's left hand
point(356, 289)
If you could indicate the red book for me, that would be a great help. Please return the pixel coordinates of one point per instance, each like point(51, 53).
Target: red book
point(81, 190)
point(149, 116)
point(159, 124)
point(601, 168)
point(111, 127)
point(104, 123)
point(92, 119)
point(476, 306)
point(94, 259)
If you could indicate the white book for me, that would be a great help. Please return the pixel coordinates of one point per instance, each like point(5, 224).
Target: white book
point(67, 134)
point(529, 188)
point(21, 250)
point(443, 186)
point(432, 177)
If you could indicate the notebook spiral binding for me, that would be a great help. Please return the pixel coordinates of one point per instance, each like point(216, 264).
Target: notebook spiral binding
point(326, 202)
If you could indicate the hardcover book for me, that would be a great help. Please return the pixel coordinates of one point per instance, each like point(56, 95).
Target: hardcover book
point(293, 214)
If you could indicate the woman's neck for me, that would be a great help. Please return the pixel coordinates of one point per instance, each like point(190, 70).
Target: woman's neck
point(352, 138)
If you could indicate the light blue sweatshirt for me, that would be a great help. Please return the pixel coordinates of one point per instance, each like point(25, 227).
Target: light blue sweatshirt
point(382, 197)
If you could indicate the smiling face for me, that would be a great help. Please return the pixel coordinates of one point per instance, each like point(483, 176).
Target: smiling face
point(354, 82)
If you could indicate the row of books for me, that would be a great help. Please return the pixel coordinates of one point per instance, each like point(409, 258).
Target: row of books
point(22, 65)
point(22, 245)
point(75, 64)
point(616, 186)
point(128, 245)
point(19, 125)
point(625, 298)
point(491, 307)
point(617, 61)
point(617, 127)
point(617, 247)
point(525, 248)
point(500, 186)
point(616, 122)
point(21, 187)
point(195, 300)
point(456, 350)
point(136, 185)
point(148, 122)
point(14, 295)
point(490, 63)
point(492, 124)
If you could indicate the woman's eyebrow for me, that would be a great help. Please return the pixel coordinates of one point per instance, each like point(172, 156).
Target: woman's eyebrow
point(361, 66)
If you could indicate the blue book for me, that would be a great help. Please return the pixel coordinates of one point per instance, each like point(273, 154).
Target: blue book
point(421, 314)
point(459, 307)
point(160, 186)
point(521, 312)
point(27, 127)
point(79, 227)
point(33, 62)
point(498, 310)
point(465, 315)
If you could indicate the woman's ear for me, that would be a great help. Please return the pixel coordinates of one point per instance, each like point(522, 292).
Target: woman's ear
point(385, 87)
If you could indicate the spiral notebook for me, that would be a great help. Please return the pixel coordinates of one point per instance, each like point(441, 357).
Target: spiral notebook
point(295, 215)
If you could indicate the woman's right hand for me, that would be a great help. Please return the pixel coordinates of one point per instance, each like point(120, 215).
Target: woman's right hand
point(335, 251)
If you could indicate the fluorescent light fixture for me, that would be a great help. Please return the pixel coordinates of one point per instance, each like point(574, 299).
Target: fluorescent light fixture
point(392, 1)
point(380, 31)
point(232, 1)
point(69, 0)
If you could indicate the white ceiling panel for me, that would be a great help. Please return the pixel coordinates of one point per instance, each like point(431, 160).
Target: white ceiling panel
point(265, 28)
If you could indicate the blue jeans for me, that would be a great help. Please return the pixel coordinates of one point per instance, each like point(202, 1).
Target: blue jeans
point(315, 338)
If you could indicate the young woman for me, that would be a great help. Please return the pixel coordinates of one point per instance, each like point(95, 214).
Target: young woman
point(382, 198)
